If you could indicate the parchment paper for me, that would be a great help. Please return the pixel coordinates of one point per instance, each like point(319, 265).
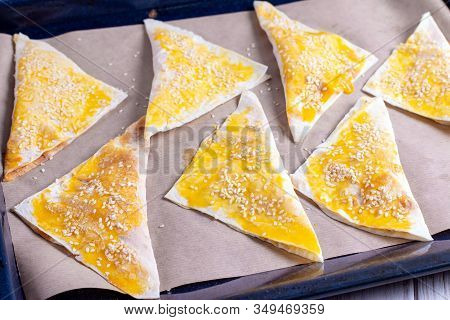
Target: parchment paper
point(191, 247)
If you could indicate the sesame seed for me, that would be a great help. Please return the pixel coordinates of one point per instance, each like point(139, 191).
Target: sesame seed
point(422, 85)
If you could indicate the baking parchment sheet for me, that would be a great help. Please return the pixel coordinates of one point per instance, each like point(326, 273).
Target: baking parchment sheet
point(189, 246)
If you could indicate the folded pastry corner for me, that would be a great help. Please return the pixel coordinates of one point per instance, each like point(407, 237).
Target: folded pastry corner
point(192, 76)
point(237, 177)
point(416, 77)
point(316, 66)
point(98, 213)
point(356, 177)
point(55, 102)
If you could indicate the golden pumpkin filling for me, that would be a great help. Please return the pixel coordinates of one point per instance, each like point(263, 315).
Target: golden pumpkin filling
point(54, 103)
point(315, 65)
point(93, 210)
point(192, 76)
point(235, 172)
point(356, 176)
point(417, 75)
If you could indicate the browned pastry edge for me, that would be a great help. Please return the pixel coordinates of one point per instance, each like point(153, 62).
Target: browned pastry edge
point(11, 175)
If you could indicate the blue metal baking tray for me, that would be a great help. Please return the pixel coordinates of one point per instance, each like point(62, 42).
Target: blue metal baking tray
point(339, 275)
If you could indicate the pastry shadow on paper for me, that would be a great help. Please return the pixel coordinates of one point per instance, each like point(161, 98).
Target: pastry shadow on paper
point(9, 106)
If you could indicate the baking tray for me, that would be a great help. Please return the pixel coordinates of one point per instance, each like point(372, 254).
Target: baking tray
point(312, 281)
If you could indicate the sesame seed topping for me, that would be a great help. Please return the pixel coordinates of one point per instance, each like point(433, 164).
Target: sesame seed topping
point(357, 173)
point(417, 75)
point(54, 103)
point(235, 185)
point(96, 208)
point(193, 74)
point(313, 63)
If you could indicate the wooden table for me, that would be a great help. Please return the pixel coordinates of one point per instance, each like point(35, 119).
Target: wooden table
point(433, 287)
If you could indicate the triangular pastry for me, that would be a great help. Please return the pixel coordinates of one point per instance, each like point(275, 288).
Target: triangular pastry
point(98, 213)
point(192, 76)
point(416, 77)
point(316, 66)
point(55, 102)
point(356, 177)
point(238, 178)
